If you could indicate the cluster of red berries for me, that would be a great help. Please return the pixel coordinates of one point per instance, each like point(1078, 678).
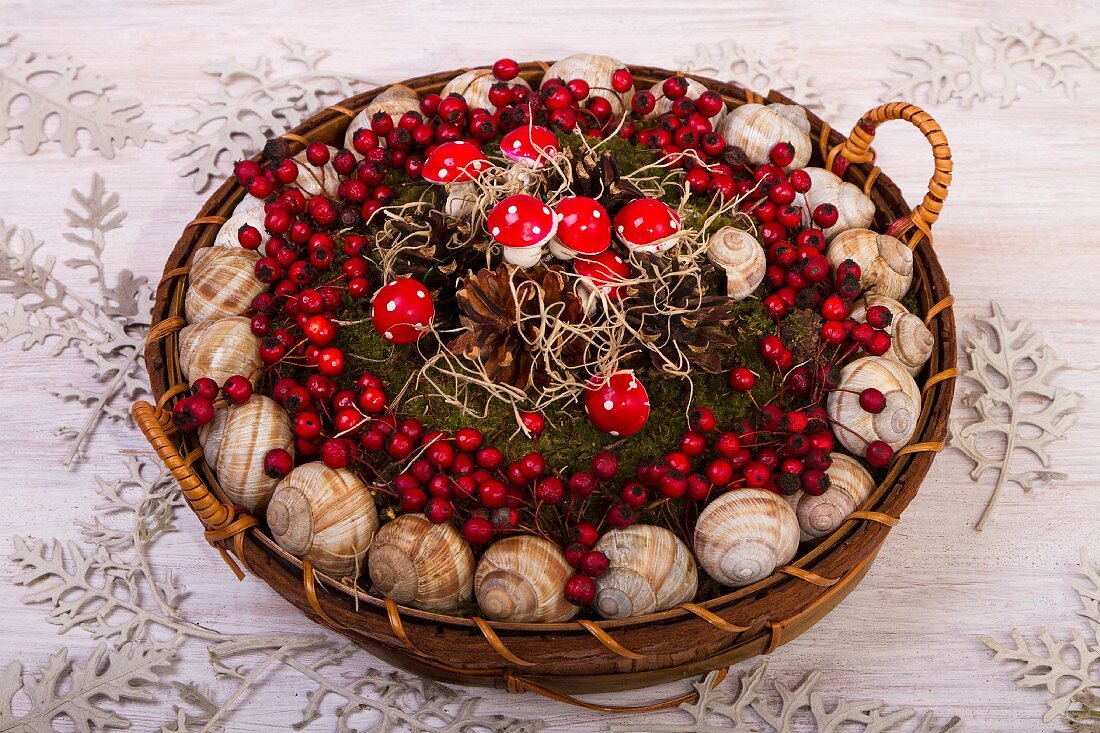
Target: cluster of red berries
point(197, 409)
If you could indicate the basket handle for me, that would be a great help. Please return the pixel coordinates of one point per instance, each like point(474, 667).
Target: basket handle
point(519, 684)
point(857, 149)
point(221, 521)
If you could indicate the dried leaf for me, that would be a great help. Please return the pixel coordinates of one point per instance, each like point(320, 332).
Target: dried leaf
point(1014, 406)
point(1063, 668)
point(992, 62)
point(753, 709)
point(1085, 718)
point(733, 61)
point(67, 689)
point(37, 90)
point(255, 101)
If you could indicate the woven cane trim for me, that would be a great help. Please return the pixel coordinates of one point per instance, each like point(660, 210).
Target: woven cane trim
point(879, 517)
point(935, 379)
point(712, 618)
point(604, 638)
point(932, 446)
point(498, 645)
point(808, 576)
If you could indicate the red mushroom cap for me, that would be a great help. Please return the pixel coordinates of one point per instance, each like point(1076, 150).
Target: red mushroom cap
point(648, 224)
point(602, 270)
point(583, 225)
point(454, 162)
point(402, 310)
point(531, 144)
point(521, 221)
point(618, 406)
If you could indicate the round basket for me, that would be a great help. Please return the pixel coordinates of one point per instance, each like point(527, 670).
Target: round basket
point(582, 656)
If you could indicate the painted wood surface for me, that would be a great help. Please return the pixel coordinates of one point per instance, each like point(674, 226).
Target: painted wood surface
point(1019, 227)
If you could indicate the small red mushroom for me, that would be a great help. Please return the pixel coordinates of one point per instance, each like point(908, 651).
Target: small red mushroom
point(619, 405)
point(601, 271)
point(454, 162)
point(584, 228)
point(522, 224)
point(647, 225)
point(531, 145)
point(402, 310)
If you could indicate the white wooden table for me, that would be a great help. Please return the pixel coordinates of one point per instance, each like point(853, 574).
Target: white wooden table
point(1019, 228)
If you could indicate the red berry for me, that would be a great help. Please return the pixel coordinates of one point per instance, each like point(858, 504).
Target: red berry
point(879, 316)
point(206, 388)
point(693, 444)
point(413, 499)
point(702, 419)
point(439, 511)
point(468, 440)
point(307, 425)
point(620, 515)
point(825, 215)
point(880, 343)
point(533, 423)
point(674, 87)
point(336, 452)
point(862, 333)
point(833, 333)
point(834, 308)
point(604, 466)
point(581, 484)
point(634, 494)
point(399, 446)
point(506, 69)
point(801, 181)
point(622, 80)
point(317, 153)
point(278, 463)
point(594, 564)
point(330, 361)
point(719, 472)
point(879, 453)
point(872, 400)
point(238, 389)
point(550, 490)
point(585, 533)
point(742, 379)
point(757, 474)
point(727, 445)
point(492, 494)
point(781, 154)
point(477, 530)
point(579, 590)
point(489, 458)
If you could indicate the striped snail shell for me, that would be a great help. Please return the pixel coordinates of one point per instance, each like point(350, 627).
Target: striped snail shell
point(248, 201)
point(756, 128)
point(896, 423)
point(741, 257)
point(855, 210)
point(911, 342)
point(211, 434)
point(664, 104)
point(218, 349)
point(522, 579)
point(324, 515)
point(885, 262)
point(421, 564)
point(316, 180)
point(250, 431)
point(849, 486)
point(649, 570)
point(597, 71)
point(394, 101)
point(474, 86)
point(223, 283)
point(253, 216)
point(744, 535)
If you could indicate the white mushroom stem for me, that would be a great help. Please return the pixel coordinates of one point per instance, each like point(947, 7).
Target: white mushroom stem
point(560, 251)
point(523, 256)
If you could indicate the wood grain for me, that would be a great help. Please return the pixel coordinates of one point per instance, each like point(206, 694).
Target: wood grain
point(1017, 228)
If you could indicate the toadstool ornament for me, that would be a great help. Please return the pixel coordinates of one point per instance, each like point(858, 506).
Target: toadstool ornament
point(521, 224)
point(402, 310)
point(647, 225)
point(584, 228)
point(618, 406)
point(530, 145)
point(600, 273)
point(455, 164)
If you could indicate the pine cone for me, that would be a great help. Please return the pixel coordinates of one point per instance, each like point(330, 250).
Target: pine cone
point(698, 327)
point(597, 176)
point(490, 313)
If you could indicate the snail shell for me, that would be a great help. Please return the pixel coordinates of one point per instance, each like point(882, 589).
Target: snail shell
point(849, 486)
point(421, 564)
point(744, 535)
point(855, 210)
point(227, 234)
point(223, 283)
point(664, 104)
point(896, 423)
point(211, 434)
point(911, 342)
point(218, 349)
point(886, 263)
point(395, 101)
point(248, 201)
point(324, 515)
point(741, 257)
point(756, 129)
point(597, 71)
point(474, 86)
point(521, 579)
point(315, 180)
point(650, 570)
point(250, 431)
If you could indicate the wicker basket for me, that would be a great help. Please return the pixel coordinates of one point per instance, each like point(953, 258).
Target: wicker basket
point(583, 656)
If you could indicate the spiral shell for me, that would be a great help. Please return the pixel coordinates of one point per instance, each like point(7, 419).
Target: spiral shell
point(650, 570)
point(849, 486)
point(474, 86)
point(254, 216)
point(316, 180)
point(741, 257)
point(896, 423)
point(597, 71)
point(756, 129)
point(911, 342)
point(744, 535)
point(886, 263)
point(324, 515)
point(521, 579)
point(395, 101)
point(223, 283)
point(421, 564)
point(855, 210)
point(211, 434)
point(218, 349)
point(664, 104)
point(250, 431)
